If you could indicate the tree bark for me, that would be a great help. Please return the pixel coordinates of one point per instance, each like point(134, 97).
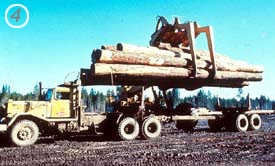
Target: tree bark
point(128, 48)
point(222, 63)
point(88, 77)
point(153, 72)
point(118, 57)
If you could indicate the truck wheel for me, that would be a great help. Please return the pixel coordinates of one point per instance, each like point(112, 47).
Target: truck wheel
point(216, 125)
point(241, 123)
point(255, 122)
point(186, 125)
point(151, 128)
point(24, 133)
point(128, 129)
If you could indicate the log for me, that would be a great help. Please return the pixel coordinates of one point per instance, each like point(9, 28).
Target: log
point(88, 78)
point(119, 57)
point(224, 62)
point(153, 72)
point(107, 47)
point(128, 48)
point(184, 53)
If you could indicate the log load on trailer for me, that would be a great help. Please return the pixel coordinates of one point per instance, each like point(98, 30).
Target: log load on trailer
point(172, 61)
point(167, 63)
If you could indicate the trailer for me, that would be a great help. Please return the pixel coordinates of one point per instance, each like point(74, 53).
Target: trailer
point(185, 115)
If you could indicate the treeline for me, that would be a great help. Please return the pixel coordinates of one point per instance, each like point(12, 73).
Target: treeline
point(6, 94)
point(96, 101)
point(203, 99)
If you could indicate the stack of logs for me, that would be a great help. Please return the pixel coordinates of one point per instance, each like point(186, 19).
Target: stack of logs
point(167, 67)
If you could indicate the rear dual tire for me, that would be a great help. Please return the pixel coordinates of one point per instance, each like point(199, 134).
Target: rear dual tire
point(255, 122)
point(128, 129)
point(241, 123)
point(151, 128)
point(237, 123)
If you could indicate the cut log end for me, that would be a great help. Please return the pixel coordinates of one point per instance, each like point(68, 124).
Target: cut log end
point(119, 46)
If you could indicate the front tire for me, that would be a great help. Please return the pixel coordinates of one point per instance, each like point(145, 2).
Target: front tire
point(24, 133)
point(128, 129)
point(151, 128)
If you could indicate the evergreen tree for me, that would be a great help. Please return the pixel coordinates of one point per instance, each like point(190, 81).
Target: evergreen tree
point(118, 89)
point(16, 96)
point(175, 97)
point(243, 102)
point(84, 93)
point(240, 93)
point(257, 103)
point(262, 102)
point(209, 102)
point(93, 99)
point(5, 91)
point(5, 94)
point(28, 96)
point(170, 98)
point(201, 99)
point(36, 93)
point(102, 100)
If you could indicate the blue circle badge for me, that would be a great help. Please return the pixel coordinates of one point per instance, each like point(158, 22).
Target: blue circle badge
point(17, 16)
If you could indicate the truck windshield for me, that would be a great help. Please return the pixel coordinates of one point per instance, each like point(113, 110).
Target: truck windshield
point(49, 95)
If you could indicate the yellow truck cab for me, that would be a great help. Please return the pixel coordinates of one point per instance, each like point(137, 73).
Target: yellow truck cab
point(59, 111)
point(56, 105)
point(23, 120)
point(60, 105)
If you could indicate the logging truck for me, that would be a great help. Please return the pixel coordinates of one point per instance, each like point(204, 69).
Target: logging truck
point(60, 111)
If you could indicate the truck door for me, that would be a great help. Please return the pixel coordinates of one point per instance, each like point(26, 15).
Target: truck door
point(61, 105)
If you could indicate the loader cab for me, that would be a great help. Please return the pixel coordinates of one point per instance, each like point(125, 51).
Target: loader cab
point(59, 99)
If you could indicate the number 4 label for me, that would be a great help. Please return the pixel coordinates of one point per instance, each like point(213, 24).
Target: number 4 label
point(17, 16)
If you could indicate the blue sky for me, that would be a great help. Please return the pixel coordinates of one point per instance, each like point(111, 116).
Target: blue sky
point(61, 35)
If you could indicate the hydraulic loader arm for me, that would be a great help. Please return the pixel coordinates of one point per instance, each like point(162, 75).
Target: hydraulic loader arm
point(184, 35)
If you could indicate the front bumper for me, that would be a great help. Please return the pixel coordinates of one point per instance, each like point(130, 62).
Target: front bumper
point(3, 127)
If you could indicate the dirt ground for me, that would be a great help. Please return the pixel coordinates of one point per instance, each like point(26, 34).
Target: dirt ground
point(174, 147)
